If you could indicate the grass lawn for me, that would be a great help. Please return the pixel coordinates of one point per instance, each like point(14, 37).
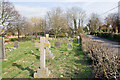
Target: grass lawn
point(24, 61)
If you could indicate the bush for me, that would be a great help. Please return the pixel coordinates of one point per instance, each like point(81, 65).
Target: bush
point(21, 39)
point(105, 60)
point(114, 37)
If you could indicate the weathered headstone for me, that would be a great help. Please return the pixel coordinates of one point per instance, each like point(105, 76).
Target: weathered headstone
point(57, 44)
point(16, 44)
point(43, 72)
point(37, 45)
point(2, 48)
point(49, 55)
point(66, 34)
point(78, 38)
point(33, 40)
point(47, 36)
point(71, 38)
point(69, 46)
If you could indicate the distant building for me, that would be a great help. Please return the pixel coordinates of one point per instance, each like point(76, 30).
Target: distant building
point(105, 28)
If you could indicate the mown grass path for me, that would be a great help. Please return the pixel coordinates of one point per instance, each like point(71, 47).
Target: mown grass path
point(24, 61)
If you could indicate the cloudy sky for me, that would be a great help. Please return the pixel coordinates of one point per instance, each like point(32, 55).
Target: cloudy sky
point(32, 8)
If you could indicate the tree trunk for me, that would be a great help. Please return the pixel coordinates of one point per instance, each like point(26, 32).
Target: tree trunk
point(82, 26)
point(75, 26)
point(18, 33)
point(55, 33)
point(79, 30)
point(36, 34)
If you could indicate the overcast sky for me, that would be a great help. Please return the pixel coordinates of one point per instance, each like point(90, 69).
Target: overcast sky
point(31, 8)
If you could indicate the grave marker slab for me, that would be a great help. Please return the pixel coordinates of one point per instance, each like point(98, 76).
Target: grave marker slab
point(57, 44)
point(69, 46)
point(78, 38)
point(33, 40)
point(47, 36)
point(49, 55)
point(37, 45)
point(16, 44)
point(2, 48)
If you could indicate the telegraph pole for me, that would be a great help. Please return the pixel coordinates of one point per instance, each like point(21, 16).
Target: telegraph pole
point(119, 16)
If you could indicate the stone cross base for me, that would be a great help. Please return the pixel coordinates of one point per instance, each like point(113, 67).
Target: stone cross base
point(42, 73)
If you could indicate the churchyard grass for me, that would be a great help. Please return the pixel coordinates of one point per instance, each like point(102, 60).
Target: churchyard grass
point(24, 61)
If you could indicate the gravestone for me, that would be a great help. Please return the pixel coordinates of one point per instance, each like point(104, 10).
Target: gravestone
point(66, 34)
point(71, 39)
point(2, 48)
point(33, 40)
point(37, 45)
point(78, 38)
point(50, 56)
point(47, 36)
point(57, 44)
point(16, 44)
point(43, 71)
point(69, 46)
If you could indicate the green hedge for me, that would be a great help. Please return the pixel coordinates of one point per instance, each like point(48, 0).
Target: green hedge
point(21, 39)
point(110, 36)
point(60, 36)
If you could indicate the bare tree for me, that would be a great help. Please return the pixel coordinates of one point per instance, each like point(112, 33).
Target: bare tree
point(76, 16)
point(7, 14)
point(56, 20)
point(94, 22)
point(113, 20)
point(81, 17)
point(38, 25)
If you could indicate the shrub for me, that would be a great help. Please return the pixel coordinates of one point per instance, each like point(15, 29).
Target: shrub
point(105, 60)
point(21, 39)
point(114, 37)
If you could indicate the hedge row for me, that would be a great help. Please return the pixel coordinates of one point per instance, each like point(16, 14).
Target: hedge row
point(21, 39)
point(106, 62)
point(110, 36)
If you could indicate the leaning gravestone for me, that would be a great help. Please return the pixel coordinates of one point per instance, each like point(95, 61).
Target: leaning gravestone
point(43, 71)
point(2, 48)
point(69, 46)
point(57, 44)
point(78, 38)
point(16, 44)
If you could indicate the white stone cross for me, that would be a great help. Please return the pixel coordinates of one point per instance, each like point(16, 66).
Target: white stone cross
point(42, 53)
